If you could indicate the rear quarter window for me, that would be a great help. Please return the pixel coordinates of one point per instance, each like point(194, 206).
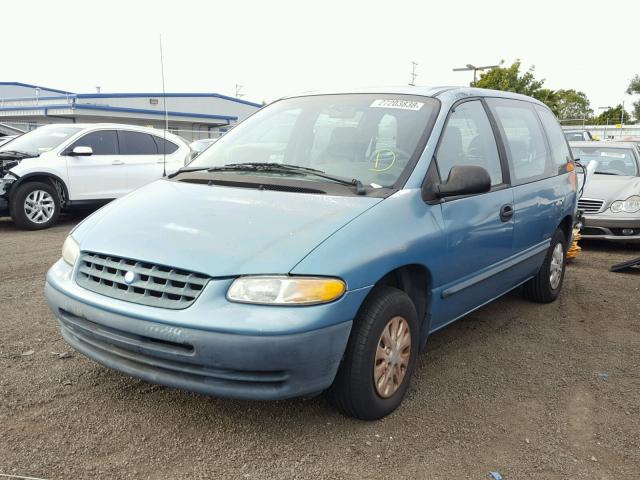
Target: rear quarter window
point(165, 146)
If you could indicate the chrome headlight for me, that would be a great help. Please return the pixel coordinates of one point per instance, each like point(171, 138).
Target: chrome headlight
point(286, 290)
point(70, 250)
point(630, 205)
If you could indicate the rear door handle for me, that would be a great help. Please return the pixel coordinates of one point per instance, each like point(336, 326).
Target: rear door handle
point(117, 162)
point(506, 212)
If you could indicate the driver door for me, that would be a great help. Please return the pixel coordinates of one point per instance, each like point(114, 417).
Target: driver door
point(100, 176)
point(479, 228)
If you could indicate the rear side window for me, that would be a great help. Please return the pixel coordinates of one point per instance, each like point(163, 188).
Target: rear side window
point(136, 143)
point(103, 142)
point(468, 139)
point(524, 138)
point(165, 146)
point(560, 153)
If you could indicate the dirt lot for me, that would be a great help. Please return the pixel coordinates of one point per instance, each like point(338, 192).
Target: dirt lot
point(527, 390)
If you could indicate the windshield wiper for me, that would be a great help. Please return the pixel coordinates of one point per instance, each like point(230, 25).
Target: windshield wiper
point(606, 173)
point(18, 153)
point(287, 168)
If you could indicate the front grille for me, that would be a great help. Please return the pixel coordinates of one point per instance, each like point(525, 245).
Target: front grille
point(589, 205)
point(153, 285)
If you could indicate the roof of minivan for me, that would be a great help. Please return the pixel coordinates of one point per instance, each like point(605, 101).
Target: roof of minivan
point(435, 92)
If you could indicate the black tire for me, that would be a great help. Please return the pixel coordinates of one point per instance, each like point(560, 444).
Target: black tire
point(540, 289)
point(17, 206)
point(354, 391)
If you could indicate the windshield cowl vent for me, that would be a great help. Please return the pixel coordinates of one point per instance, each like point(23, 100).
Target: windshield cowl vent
point(254, 185)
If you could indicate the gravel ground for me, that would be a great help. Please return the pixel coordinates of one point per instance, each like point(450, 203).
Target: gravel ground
point(530, 391)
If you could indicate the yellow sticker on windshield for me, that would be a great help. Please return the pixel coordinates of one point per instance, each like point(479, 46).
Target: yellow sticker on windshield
point(382, 160)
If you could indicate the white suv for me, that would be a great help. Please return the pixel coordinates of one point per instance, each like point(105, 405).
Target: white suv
point(63, 166)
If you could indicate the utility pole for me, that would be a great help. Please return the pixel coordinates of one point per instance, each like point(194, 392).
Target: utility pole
point(238, 90)
point(413, 74)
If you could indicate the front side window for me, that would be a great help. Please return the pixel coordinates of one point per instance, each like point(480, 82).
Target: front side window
point(102, 142)
point(611, 161)
point(136, 143)
point(525, 140)
point(41, 139)
point(560, 153)
point(369, 137)
point(468, 139)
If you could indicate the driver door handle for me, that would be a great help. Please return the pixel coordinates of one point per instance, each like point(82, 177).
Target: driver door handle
point(506, 212)
point(117, 162)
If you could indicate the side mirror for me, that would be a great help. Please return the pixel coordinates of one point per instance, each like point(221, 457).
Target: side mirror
point(464, 180)
point(81, 152)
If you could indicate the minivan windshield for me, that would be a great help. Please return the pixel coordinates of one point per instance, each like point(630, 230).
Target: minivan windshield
point(373, 138)
point(611, 161)
point(41, 139)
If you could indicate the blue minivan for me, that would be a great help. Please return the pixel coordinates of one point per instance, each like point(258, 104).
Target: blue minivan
point(318, 244)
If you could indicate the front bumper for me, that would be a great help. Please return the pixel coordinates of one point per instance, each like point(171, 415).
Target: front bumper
point(603, 227)
point(237, 365)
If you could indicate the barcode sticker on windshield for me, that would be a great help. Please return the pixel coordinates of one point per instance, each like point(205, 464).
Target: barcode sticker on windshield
point(401, 104)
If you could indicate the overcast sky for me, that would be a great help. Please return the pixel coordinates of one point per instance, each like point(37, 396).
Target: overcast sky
point(274, 48)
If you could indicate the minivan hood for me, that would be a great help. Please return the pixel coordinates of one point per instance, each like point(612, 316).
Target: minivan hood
point(219, 231)
point(611, 187)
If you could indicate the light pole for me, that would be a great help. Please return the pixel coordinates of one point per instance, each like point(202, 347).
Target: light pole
point(607, 125)
point(475, 69)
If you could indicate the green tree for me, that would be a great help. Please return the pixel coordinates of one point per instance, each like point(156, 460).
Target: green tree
point(565, 104)
point(612, 116)
point(634, 87)
point(550, 98)
point(510, 79)
point(572, 105)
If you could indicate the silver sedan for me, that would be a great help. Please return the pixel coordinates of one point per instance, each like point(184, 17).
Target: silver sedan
point(611, 198)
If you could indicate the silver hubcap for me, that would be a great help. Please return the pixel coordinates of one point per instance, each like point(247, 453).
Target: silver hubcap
point(557, 261)
point(392, 357)
point(39, 206)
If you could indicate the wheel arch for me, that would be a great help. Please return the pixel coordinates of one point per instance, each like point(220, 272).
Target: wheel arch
point(50, 178)
point(416, 281)
point(566, 225)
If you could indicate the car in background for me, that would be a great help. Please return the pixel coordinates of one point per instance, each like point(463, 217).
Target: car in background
point(635, 139)
point(578, 135)
point(198, 146)
point(64, 166)
point(317, 245)
point(611, 199)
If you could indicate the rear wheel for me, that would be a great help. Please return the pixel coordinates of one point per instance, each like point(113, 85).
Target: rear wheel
point(380, 358)
point(35, 206)
point(546, 285)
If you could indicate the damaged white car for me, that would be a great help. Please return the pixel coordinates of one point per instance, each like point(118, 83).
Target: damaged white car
point(58, 167)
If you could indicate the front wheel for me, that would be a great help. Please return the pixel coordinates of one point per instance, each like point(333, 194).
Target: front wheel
point(546, 285)
point(35, 206)
point(380, 358)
